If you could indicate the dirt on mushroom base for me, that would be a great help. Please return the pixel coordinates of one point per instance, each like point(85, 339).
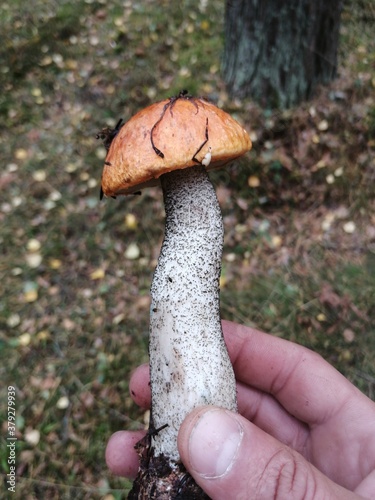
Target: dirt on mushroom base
point(177, 482)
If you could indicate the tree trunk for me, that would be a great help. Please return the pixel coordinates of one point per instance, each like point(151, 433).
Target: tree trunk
point(278, 51)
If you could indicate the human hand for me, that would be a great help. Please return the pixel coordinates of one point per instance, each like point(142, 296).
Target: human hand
point(304, 431)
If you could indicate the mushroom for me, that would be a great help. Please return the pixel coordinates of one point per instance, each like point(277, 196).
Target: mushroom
point(174, 142)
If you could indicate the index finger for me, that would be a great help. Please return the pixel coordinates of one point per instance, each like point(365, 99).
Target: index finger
point(308, 387)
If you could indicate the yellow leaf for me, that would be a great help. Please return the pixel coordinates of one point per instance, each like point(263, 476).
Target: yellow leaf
point(276, 241)
point(253, 181)
point(131, 221)
point(39, 175)
point(33, 245)
point(132, 252)
point(43, 335)
point(55, 263)
point(31, 295)
point(63, 403)
point(345, 355)
point(21, 154)
point(36, 92)
point(33, 259)
point(24, 339)
point(71, 64)
point(223, 281)
point(98, 274)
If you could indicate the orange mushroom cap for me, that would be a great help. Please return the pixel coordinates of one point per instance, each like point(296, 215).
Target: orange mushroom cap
point(173, 134)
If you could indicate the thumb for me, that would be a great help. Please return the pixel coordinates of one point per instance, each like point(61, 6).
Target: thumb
point(229, 457)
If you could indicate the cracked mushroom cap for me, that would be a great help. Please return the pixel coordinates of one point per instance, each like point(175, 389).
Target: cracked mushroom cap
point(169, 135)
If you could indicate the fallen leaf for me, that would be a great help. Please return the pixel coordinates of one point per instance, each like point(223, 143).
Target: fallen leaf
point(132, 252)
point(348, 335)
point(131, 221)
point(20, 154)
point(323, 125)
point(30, 291)
point(55, 263)
point(33, 260)
point(253, 181)
point(33, 245)
point(98, 274)
point(328, 297)
point(63, 403)
point(349, 227)
point(24, 339)
point(32, 436)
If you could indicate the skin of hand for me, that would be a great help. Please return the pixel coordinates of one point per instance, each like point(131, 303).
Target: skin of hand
point(303, 430)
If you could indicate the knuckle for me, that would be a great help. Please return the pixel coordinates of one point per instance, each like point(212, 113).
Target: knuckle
point(286, 476)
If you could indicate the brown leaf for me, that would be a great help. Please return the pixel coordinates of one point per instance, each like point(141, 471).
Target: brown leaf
point(328, 297)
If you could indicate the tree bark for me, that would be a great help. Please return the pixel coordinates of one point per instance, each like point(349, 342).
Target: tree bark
point(278, 51)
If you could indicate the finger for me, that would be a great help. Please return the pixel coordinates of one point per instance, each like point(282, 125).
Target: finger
point(120, 454)
point(229, 457)
point(306, 386)
point(257, 406)
point(267, 413)
point(367, 487)
point(293, 374)
point(250, 351)
point(342, 448)
point(139, 386)
point(302, 381)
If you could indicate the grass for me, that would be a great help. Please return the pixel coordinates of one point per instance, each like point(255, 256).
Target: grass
point(299, 247)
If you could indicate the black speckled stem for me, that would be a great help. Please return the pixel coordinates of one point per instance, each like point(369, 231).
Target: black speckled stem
point(189, 362)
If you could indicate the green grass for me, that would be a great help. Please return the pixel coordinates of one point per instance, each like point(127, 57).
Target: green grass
point(318, 311)
point(74, 322)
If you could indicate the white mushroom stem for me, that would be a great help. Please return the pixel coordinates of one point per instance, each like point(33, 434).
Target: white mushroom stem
point(189, 362)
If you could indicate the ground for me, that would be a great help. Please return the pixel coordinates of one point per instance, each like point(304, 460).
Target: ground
point(299, 213)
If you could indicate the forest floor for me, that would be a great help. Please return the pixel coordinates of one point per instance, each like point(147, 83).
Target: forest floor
point(299, 214)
